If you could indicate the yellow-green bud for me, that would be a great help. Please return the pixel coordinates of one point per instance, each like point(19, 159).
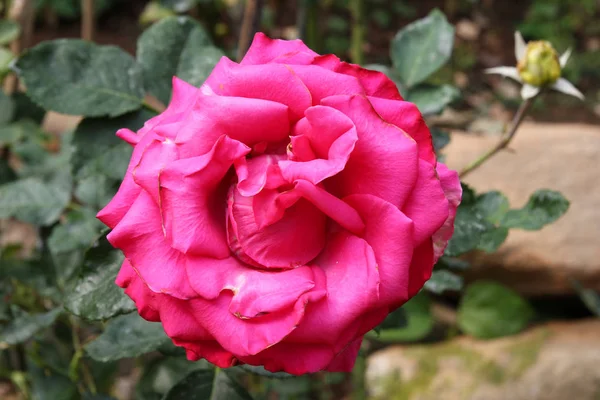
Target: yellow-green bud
point(540, 66)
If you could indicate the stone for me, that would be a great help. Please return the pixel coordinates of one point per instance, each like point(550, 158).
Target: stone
point(467, 30)
point(561, 157)
point(557, 361)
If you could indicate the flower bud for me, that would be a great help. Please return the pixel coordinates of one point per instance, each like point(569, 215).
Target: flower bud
point(540, 66)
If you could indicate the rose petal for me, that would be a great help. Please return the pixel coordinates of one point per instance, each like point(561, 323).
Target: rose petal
point(407, 117)
point(294, 240)
point(264, 50)
point(384, 160)
point(344, 361)
point(390, 233)
point(330, 135)
point(453, 192)
point(192, 202)
point(250, 121)
point(427, 205)
point(140, 236)
point(324, 83)
point(375, 83)
point(258, 173)
point(157, 155)
point(274, 82)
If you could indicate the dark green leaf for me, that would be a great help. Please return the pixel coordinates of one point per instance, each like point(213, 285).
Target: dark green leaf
point(205, 385)
point(127, 336)
point(100, 158)
point(80, 78)
point(69, 240)
point(46, 385)
point(95, 296)
point(492, 239)
point(23, 325)
point(6, 56)
point(590, 298)
point(469, 226)
point(422, 47)
point(544, 207)
point(175, 46)
point(489, 310)
point(440, 139)
point(444, 280)
point(261, 371)
point(432, 100)
point(15, 132)
point(162, 374)
point(35, 201)
point(179, 6)
point(492, 205)
point(454, 263)
point(6, 172)
point(419, 321)
point(27, 109)
point(7, 109)
point(9, 31)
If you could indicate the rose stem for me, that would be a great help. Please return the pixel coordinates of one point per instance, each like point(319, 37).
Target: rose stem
point(23, 12)
point(358, 31)
point(504, 140)
point(87, 20)
point(250, 24)
point(307, 23)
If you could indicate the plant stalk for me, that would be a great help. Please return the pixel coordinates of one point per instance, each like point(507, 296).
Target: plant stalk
point(358, 31)
point(504, 140)
point(250, 25)
point(88, 20)
point(23, 12)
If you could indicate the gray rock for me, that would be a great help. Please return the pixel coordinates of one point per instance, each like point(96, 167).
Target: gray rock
point(554, 362)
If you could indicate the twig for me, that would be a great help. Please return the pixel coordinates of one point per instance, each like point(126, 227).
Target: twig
point(23, 12)
point(250, 25)
point(504, 140)
point(88, 20)
point(358, 31)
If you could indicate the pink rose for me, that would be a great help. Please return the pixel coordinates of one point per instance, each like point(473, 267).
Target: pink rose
point(281, 211)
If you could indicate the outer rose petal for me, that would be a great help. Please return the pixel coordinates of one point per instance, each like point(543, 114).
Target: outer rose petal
point(407, 117)
point(344, 361)
point(375, 83)
point(264, 50)
point(144, 298)
point(427, 205)
point(384, 161)
point(140, 236)
point(453, 192)
point(157, 155)
point(390, 233)
point(324, 83)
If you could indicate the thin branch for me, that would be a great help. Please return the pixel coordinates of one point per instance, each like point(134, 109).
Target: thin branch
point(250, 25)
point(358, 31)
point(23, 12)
point(504, 140)
point(88, 20)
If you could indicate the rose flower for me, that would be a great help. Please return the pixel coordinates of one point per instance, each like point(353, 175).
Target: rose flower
point(281, 211)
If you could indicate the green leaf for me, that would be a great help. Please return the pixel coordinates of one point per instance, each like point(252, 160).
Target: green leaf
point(261, 371)
point(179, 6)
point(489, 310)
point(7, 109)
point(69, 241)
point(95, 296)
point(46, 385)
point(589, 297)
point(27, 109)
point(469, 226)
point(162, 374)
point(419, 321)
point(6, 172)
point(492, 205)
point(125, 337)
point(444, 280)
point(492, 239)
point(422, 47)
point(6, 56)
point(175, 46)
point(77, 77)
point(24, 326)
point(431, 100)
point(208, 384)
point(34, 200)
point(440, 139)
point(9, 31)
point(544, 207)
point(100, 158)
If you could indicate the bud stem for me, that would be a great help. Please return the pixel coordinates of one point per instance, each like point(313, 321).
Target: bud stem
point(504, 140)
